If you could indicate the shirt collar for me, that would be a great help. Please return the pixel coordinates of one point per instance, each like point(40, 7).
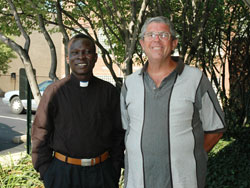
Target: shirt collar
point(178, 69)
point(79, 83)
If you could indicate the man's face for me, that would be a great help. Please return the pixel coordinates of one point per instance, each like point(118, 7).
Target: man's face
point(159, 46)
point(82, 57)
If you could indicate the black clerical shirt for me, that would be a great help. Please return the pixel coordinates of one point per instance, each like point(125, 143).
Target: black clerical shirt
point(79, 122)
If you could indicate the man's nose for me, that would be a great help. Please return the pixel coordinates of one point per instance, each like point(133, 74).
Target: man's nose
point(82, 54)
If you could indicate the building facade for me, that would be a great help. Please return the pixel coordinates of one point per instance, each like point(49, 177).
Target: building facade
point(40, 57)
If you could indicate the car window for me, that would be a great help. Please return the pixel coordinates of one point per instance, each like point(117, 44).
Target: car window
point(42, 86)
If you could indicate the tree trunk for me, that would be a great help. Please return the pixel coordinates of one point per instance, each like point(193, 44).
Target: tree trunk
point(23, 54)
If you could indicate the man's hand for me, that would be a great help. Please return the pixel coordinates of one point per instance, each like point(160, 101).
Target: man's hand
point(210, 140)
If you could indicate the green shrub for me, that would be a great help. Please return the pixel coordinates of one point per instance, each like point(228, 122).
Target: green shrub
point(230, 166)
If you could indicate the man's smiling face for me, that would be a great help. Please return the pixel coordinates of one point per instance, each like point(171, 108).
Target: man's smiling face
point(82, 57)
point(158, 48)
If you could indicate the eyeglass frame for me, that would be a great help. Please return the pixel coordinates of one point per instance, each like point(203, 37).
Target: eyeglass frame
point(152, 35)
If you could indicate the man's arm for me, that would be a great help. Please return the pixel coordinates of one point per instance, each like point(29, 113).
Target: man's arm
point(210, 140)
point(118, 147)
point(124, 112)
point(41, 131)
point(211, 114)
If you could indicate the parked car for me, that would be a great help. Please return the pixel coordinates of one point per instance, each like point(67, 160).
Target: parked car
point(19, 106)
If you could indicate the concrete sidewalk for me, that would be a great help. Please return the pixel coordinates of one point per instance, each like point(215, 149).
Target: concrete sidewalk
point(9, 159)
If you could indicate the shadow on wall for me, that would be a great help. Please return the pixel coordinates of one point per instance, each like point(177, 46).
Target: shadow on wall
point(1, 93)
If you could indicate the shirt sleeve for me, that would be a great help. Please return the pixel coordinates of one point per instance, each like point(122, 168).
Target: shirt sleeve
point(211, 113)
point(118, 146)
point(41, 132)
point(124, 112)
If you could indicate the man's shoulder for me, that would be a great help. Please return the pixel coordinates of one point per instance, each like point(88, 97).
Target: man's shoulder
point(134, 80)
point(105, 86)
point(57, 84)
point(191, 71)
point(134, 75)
point(103, 82)
point(191, 68)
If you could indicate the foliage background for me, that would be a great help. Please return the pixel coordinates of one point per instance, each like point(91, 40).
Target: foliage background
point(213, 36)
point(5, 57)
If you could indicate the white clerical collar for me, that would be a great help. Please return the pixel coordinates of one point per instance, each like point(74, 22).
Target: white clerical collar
point(84, 83)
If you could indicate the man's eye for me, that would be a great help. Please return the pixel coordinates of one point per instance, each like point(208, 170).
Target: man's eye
point(164, 35)
point(152, 35)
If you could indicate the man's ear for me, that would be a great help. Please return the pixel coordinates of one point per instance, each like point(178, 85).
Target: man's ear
point(67, 59)
point(174, 43)
point(96, 56)
point(142, 44)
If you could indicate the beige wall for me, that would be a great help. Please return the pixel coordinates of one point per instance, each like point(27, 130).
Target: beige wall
point(40, 58)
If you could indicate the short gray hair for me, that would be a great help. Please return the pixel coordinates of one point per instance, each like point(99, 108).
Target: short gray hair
point(158, 19)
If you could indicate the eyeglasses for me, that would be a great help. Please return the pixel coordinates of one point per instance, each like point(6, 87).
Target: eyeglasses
point(164, 36)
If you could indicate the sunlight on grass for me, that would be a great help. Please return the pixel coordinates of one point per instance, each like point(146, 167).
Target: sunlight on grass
point(220, 145)
point(20, 174)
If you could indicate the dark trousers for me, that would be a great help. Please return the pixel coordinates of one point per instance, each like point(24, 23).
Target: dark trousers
point(63, 175)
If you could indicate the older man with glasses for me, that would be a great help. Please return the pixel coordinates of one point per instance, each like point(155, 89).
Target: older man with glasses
point(171, 115)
